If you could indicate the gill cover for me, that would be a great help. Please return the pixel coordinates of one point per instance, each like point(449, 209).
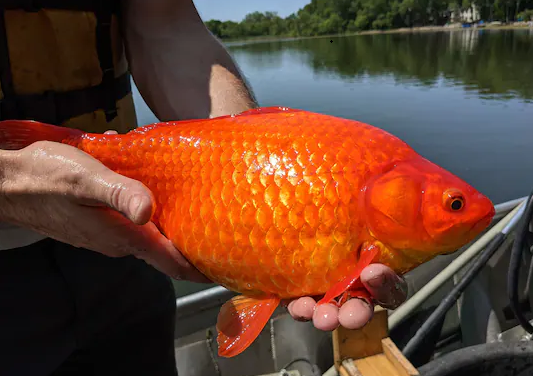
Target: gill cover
point(392, 204)
point(422, 208)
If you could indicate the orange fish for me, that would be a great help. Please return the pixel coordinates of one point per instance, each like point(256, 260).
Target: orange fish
point(279, 203)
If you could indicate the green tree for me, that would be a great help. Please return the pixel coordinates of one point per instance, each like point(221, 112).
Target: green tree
point(321, 17)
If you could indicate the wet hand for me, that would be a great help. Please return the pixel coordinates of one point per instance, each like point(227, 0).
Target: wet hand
point(65, 194)
point(386, 288)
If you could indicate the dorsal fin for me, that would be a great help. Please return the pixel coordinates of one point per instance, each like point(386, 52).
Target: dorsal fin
point(253, 111)
point(149, 127)
point(267, 110)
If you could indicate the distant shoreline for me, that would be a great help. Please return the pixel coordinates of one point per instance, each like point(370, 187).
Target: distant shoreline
point(419, 29)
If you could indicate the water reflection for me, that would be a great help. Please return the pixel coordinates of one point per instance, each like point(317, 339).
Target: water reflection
point(463, 99)
point(492, 64)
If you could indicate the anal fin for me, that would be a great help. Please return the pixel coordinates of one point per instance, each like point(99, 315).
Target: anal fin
point(240, 320)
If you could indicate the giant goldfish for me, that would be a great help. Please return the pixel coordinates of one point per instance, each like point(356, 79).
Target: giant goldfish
point(277, 203)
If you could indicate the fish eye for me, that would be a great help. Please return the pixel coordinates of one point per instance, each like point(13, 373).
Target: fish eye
point(453, 200)
point(457, 204)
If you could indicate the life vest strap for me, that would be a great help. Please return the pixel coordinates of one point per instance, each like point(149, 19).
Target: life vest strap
point(56, 107)
point(105, 57)
point(6, 78)
point(74, 5)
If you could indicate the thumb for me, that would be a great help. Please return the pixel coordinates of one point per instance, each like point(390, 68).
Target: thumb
point(385, 286)
point(127, 196)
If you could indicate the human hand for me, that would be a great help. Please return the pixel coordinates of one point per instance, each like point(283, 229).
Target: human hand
point(386, 288)
point(63, 193)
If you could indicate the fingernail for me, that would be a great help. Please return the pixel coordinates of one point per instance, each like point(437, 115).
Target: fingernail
point(400, 287)
point(377, 281)
point(365, 301)
point(368, 305)
point(137, 205)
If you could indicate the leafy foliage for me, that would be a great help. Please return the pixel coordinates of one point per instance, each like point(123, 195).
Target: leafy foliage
point(526, 15)
point(322, 17)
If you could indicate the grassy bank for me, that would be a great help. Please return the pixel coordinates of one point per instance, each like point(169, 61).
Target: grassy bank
point(267, 38)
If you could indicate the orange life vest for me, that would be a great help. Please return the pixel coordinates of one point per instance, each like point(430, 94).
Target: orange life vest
point(63, 62)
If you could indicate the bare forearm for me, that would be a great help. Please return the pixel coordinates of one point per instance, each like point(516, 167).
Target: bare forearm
point(181, 70)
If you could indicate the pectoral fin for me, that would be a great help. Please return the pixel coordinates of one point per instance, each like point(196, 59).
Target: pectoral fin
point(240, 320)
point(357, 291)
point(349, 284)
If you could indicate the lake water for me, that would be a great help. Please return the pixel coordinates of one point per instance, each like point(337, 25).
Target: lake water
point(463, 99)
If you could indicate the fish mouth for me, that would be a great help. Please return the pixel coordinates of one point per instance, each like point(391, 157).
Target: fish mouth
point(477, 228)
point(484, 222)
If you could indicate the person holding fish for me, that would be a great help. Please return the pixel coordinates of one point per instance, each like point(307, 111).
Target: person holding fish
point(83, 268)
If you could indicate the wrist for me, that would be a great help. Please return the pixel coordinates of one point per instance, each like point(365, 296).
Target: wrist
point(7, 162)
point(4, 155)
point(7, 159)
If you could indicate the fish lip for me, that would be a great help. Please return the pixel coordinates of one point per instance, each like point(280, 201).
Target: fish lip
point(485, 221)
point(478, 226)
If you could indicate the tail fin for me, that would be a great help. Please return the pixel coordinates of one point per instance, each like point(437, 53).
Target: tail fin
point(17, 134)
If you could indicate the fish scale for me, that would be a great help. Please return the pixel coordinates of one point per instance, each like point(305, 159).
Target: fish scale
point(279, 203)
point(206, 157)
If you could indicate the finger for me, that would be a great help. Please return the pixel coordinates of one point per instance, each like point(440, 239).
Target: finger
point(159, 252)
point(110, 132)
point(384, 285)
point(118, 237)
point(302, 309)
point(355, 313)
point(105, 230)
point(326, 317)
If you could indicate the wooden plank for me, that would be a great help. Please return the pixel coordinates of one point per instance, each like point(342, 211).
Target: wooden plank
point(369, 351)
point(344, 372)
point(394, 355)
point(349, 368)
point(360, 343)
point(376, 365)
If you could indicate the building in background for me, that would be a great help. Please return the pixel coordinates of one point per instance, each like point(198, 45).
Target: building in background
point(470, 14)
